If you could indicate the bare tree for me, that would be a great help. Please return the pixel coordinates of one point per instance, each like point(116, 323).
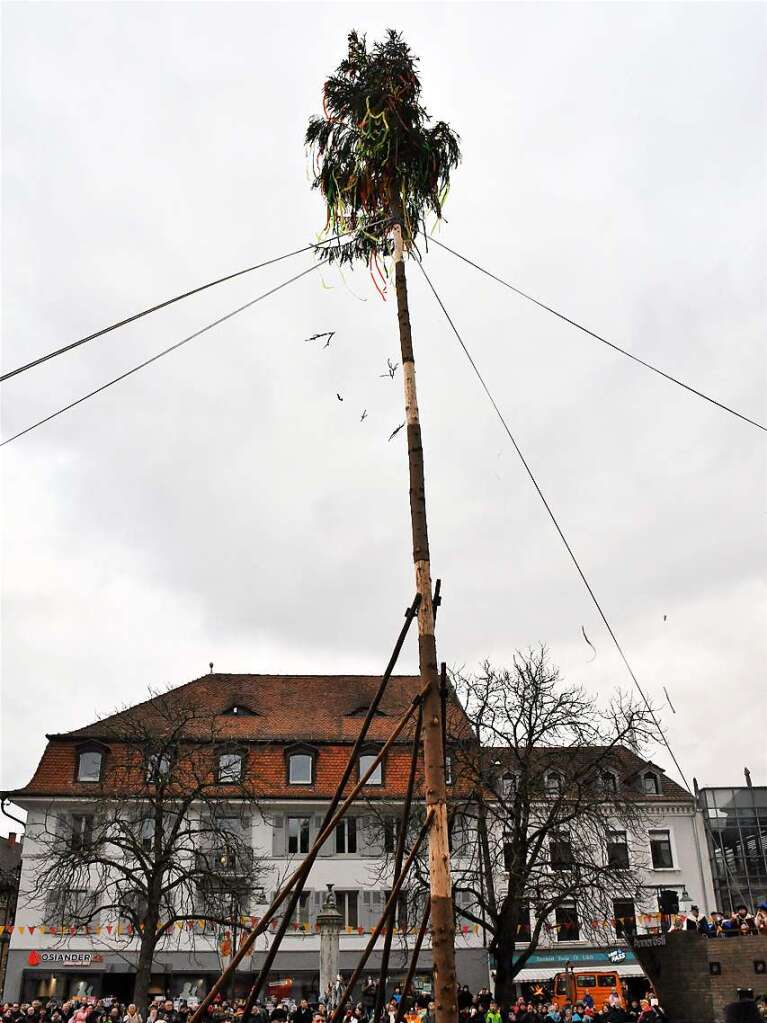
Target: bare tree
point(551, 792)
point(165, 835)
point(547, 813)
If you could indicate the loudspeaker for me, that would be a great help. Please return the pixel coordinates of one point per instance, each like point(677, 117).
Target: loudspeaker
point(668, 902)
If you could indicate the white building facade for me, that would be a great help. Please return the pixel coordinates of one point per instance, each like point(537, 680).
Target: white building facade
point(308, 724)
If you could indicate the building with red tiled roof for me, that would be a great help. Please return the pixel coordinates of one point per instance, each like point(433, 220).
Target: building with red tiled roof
point(289, 738)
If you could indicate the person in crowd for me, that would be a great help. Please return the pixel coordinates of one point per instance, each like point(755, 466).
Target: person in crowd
point(167, 1013)
point(742, 1011)
point(132, 1015)
point(390, 1012)
point(464, 997)
point(302, 1013)
point(493, 1014)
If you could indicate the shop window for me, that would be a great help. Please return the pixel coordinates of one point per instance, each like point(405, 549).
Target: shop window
point(89, 765)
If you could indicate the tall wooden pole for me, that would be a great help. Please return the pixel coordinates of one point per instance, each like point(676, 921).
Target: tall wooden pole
point(442, 923)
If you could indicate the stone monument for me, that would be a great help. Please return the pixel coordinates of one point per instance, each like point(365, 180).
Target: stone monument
point(330, 921)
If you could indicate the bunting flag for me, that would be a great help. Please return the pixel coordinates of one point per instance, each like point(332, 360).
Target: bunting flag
point(304, 928)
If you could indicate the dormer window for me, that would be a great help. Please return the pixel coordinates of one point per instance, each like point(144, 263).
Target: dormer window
point(508, 785)
point(230, 765)
point(650, 784)
point(89, 765)
point(554, 783)
point(238, 710)
point(360, 712)
point(300, 766)
point(158, 767)
point(366, 762)
point(608, 783)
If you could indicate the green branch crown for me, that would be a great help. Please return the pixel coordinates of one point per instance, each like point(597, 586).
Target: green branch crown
point(377, 157)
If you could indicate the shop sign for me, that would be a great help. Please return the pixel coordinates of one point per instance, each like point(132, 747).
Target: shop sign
point(650, 940)
point(578, 958)
point(54, 958)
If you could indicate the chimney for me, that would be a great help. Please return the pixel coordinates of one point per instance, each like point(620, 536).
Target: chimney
point(11, 838)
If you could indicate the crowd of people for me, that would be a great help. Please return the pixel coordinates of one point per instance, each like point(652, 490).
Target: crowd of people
point(717, 925)
point(479, 1007)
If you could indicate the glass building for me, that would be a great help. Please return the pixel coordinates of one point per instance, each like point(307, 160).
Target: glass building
point(736, 831)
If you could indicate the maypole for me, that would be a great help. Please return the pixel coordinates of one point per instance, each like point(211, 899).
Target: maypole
point(381, 168)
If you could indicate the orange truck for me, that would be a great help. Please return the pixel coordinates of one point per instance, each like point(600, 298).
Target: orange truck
point(575, 984)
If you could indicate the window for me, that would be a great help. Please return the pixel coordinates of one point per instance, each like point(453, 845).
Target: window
point(390, 833)
point(229, 841)
point(617, 850)
point(147, 834)
point(366, 760)
point(660, 850)
point(301, 769)
point(82, 831)
point(508, 854)
point(625, 917)
point(347, 907)
point(230, 767)
point(448, 770)
point(346, 835)
point(238, 710)
point(608, 783)
point(89, 765)
point(561, 852)
point(523, 923)
point(650, 785)
point(158, 767)
point(71, 906)
point(298, 834)
point(568, 928)
point(554, 783)
point(133, 905)
point(301, 912)
point(401, 912)
point(508, 785)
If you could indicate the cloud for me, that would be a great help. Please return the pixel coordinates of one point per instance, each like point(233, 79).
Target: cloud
point(223, 505)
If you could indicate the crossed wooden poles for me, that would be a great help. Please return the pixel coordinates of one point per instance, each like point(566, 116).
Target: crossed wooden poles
point(294, 885)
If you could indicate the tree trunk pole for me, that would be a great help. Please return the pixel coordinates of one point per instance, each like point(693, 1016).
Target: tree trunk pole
point(443, 926)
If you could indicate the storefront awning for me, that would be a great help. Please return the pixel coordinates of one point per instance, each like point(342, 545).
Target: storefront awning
point(536, 973)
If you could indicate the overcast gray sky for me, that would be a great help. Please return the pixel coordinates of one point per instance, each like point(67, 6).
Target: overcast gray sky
point(224, 506)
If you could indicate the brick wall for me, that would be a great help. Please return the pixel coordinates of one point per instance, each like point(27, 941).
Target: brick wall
point(680, 971)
